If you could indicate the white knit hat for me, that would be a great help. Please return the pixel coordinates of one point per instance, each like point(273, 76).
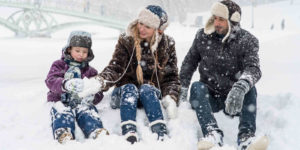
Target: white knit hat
point(153, 16)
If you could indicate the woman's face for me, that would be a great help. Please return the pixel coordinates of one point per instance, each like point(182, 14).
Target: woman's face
point(145, 32)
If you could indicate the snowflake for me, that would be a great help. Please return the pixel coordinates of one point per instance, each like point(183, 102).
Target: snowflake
point(146, 44)
point(131, 100)
point(209, 42)
point(143, 63)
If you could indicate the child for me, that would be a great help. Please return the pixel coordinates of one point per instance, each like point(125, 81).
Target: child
point(64, 81)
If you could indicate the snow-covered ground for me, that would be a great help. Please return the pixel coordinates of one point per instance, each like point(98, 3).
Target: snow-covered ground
point(24, 64)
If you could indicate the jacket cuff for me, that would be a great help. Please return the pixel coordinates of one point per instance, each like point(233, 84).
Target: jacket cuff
point(248, 78)
point(242, 84)
point(98, 98)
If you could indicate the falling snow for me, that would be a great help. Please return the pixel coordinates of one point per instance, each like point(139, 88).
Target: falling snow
point(25, 121)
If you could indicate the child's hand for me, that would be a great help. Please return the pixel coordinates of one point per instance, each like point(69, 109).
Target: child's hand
point(74, 85)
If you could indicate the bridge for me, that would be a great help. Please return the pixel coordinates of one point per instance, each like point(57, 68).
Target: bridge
point(35, 17)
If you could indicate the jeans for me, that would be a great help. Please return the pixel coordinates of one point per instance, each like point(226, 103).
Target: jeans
point(128, 98)
point(147, 95)
point(86, 116)
point(206, 104)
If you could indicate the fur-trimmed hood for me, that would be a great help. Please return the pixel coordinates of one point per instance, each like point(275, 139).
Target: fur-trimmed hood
point(78, 39)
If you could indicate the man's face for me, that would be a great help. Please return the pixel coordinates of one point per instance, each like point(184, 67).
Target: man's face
point(221, 25)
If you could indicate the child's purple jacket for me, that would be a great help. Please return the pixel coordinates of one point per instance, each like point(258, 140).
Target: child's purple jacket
point(55, 78)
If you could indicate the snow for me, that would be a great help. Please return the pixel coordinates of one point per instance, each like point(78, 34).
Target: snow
point(25, 114)
point(59, 106)
point(91, 86)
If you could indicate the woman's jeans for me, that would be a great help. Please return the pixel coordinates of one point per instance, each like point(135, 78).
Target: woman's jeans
point(127, 97)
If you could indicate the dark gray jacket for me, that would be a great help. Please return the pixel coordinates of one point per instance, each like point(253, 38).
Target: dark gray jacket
point(222, 64)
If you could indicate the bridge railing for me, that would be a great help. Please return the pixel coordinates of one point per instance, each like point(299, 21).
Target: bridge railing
point(94, 7)
point(35, 17)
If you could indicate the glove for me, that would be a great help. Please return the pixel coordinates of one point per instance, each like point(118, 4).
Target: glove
point(74, 85)
point(92, 86)
point(183, 94)
point(170, 105)
point(88, 99)
point(235, 97)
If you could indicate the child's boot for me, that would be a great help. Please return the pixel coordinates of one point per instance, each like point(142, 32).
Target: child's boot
point(62, 135)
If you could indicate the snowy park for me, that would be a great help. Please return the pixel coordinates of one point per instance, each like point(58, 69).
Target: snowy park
point(25, 122)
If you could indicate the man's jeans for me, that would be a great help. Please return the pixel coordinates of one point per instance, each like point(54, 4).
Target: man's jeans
point(206, 104)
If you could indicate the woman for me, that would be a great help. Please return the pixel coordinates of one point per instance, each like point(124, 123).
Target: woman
point(143, 69)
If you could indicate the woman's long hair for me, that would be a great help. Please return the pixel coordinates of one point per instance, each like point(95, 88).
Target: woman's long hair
point(137, 45)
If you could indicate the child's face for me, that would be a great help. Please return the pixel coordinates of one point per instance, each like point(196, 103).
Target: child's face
point(79, 53)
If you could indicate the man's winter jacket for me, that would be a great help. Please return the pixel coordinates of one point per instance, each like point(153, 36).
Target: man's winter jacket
point(222, 64)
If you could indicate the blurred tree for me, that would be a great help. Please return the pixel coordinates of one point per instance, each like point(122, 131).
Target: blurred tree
point(282, 24)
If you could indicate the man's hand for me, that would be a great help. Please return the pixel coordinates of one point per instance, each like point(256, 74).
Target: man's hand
point(235, 97)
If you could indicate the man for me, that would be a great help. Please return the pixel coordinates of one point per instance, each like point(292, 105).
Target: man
point(228, 63)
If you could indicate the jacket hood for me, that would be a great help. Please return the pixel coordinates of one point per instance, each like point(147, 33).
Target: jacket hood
point(228, 10)
point(78, 39)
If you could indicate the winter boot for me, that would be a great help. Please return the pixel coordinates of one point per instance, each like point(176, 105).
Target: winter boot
point(250, 142)
point(62, 135)
point(214, 138)
point(99, 132)
point(159, 127)
point(131, 137)
point(129, 131)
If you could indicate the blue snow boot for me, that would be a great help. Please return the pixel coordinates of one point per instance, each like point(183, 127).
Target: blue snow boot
point(159, 127)
point(129, 131)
